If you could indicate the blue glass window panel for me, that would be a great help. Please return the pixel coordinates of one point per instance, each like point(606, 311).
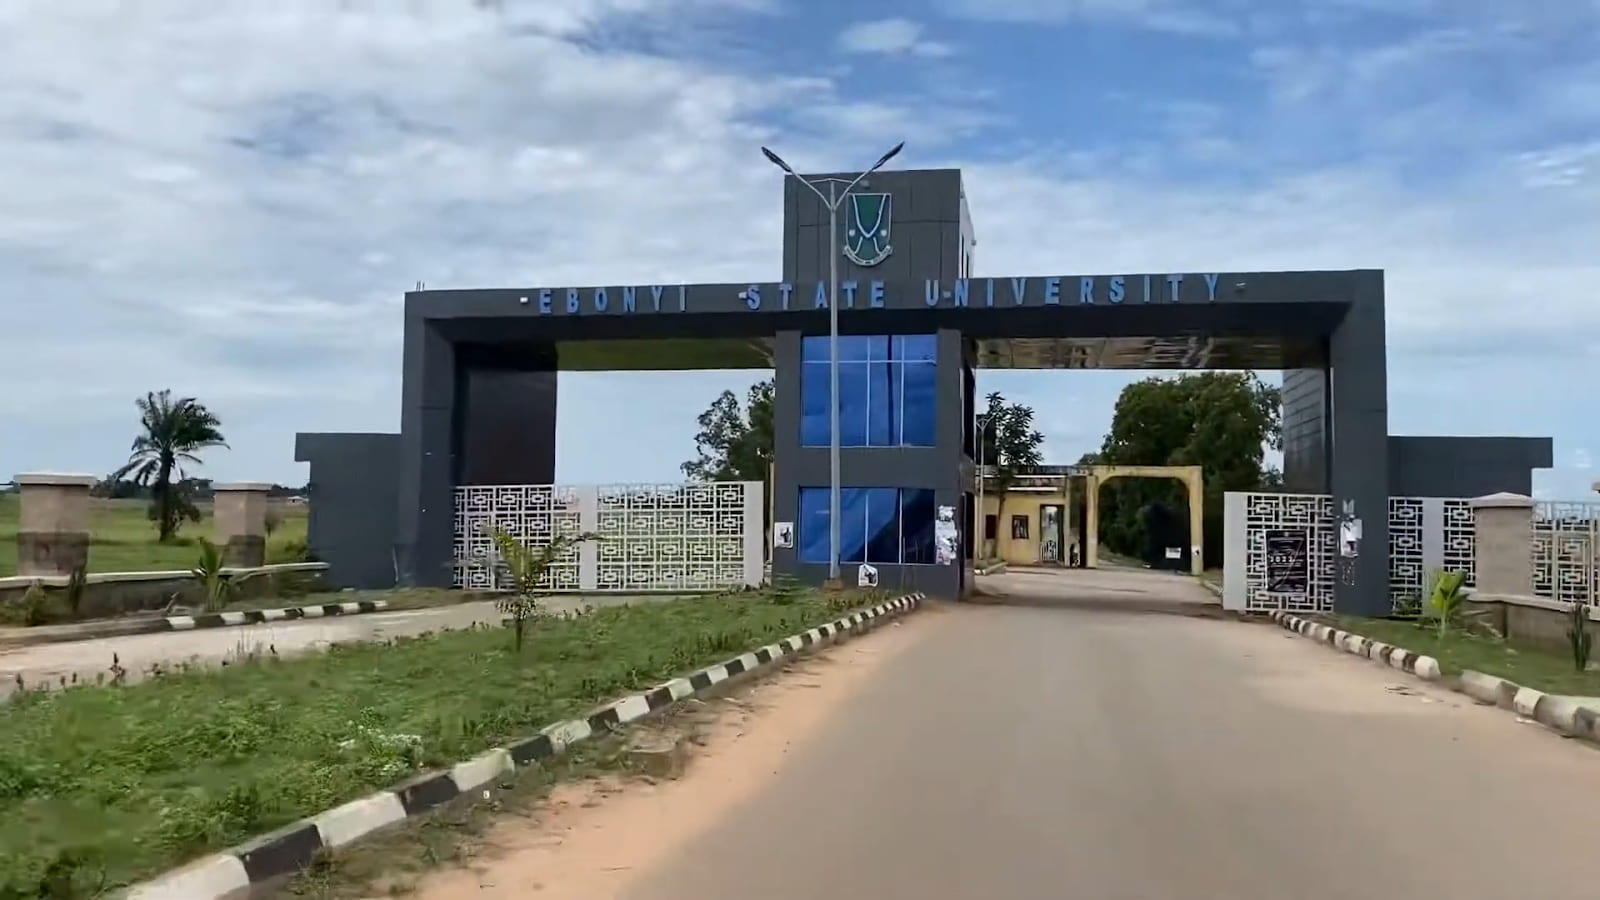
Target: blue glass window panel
point(854, 404)
point(916, 526)
point(882, 525)
point(812, 530)
point(884, 405)
point(814, 405)
point(916, 347)
point(919, 399)
point(852, 525)
point(852, 348)
point(878, 347)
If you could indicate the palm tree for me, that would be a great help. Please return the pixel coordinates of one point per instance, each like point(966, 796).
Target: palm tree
point(174, 431)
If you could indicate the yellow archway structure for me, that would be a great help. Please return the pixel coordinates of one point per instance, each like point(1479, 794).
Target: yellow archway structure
point(1095, 476)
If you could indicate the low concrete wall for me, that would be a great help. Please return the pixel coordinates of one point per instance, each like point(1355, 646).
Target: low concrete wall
point(107, 594)
point(1527, 620)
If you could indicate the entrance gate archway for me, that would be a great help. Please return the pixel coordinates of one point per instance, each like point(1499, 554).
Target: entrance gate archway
point(1189, 476)
point(478, 401)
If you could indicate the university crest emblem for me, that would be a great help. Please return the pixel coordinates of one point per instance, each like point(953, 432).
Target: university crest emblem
point(867, 229)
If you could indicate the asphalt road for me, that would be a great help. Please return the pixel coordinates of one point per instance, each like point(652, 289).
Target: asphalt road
point(1079, 750)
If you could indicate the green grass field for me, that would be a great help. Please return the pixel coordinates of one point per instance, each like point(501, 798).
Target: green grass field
point(107, 785)
point(122, 539)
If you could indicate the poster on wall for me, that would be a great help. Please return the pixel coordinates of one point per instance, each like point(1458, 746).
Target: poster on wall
point(1289, 561)
point(1350, 538)
point(944, 536)
point(783, 535)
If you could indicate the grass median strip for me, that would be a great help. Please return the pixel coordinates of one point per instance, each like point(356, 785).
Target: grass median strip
point(102, 786)
point(1542, 669)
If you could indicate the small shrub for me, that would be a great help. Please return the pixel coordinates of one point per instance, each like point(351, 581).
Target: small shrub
point(35, 605)
point(215, 586)
point(1446, 598)
point(527, 566)
point(1578, 637)
point(288, 552)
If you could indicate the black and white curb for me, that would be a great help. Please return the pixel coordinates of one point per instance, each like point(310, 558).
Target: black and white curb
point(1424, 667)
point(257, 616)
point(1564, 714)
point(291, 848)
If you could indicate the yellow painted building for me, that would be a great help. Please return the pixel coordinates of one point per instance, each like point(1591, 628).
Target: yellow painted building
point(1034, 526)
point(1050, 516)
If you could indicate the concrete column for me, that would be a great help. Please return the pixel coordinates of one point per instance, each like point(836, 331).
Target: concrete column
point(1091, 522)
point(53, 537)
point(240, 511)
point(1503, 524)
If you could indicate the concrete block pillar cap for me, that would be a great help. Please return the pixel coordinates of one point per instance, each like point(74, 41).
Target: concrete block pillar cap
point(55, 479)
point(1503, 500)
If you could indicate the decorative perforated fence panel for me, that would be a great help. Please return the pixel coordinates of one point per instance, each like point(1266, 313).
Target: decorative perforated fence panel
point(1566, 537)
point(653, 537)
point(1460, 540)
point(1286, 544)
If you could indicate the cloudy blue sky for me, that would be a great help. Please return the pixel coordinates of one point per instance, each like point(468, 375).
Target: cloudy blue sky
point(229, 198)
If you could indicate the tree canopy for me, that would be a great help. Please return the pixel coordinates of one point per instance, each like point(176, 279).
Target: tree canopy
point(735, 440)
point(1008, 442)
point(1223, 422)
point(172, 434)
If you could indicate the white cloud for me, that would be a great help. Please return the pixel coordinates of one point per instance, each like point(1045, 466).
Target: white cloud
point(231, 203)
point(1175, 16)
point(890, 37)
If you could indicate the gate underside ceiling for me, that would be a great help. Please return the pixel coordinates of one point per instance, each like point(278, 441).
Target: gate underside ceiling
point(1189, 352)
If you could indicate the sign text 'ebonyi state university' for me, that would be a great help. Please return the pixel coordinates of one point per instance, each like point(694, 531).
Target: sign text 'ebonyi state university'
point(995, 293)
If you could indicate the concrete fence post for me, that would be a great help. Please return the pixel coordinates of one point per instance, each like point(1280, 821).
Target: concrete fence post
point(53, 534)
point(240, 513)
point(1503, 527)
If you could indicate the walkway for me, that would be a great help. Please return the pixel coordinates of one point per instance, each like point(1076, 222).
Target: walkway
point(48, 663)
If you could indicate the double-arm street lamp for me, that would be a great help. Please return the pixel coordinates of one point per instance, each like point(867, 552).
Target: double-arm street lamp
point(831, 200)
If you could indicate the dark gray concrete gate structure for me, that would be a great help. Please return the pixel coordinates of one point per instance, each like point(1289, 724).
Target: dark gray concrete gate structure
point(479, 403)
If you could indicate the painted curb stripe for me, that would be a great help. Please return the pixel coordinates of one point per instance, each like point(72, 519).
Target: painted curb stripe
point(256, 616)
point(293, 847)
point(282, 852)
point(427, 791)
point(213, 876)
point(358, 818)
point(1425, 667)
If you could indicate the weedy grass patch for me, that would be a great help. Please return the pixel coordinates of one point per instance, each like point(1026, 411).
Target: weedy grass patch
point(105, 785)
point(1532, 666)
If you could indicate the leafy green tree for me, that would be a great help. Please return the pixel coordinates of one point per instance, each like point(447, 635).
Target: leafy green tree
point(1223, 422)
point(173, 433)
point(735, 440)
point(1008, 444)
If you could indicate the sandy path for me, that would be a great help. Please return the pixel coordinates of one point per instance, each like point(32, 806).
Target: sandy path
point(594, 839)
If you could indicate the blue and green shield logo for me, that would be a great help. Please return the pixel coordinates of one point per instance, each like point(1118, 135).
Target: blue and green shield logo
point(867, 229)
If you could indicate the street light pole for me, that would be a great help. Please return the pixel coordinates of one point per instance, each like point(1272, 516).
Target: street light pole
point(832, 201)
point(982, 525)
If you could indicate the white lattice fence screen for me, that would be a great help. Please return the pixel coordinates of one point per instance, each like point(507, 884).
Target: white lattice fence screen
point(1425, 534)
point(654, 537)
point(1566, 538)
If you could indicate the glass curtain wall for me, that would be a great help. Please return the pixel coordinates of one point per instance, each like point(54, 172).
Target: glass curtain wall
point(886, 390)
point(876, 525)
